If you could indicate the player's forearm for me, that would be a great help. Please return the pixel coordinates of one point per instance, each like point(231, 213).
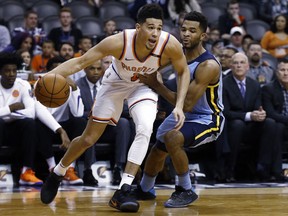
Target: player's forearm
point(69, 67)
point(182, 88)
point(166, 93)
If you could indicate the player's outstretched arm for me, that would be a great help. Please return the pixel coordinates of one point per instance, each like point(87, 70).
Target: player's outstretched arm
point(109, 46)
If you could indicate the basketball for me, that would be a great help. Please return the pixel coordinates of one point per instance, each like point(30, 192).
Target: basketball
point(52, 90)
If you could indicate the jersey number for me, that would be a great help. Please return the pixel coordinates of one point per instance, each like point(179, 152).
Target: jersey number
point(134, 77)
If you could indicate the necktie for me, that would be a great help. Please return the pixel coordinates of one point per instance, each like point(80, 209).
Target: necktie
point(94, 91)
point(242, 89)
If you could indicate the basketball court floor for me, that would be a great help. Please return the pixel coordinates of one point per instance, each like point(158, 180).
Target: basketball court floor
point(214, 199)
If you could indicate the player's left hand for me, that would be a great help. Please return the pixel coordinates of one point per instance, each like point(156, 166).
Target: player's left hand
point(179, 117)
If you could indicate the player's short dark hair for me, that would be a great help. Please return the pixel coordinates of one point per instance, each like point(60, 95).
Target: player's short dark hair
point(149, 11)
point(198, 17)
point(10, 58)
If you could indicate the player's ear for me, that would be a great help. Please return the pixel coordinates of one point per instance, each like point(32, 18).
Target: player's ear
point(137, 26)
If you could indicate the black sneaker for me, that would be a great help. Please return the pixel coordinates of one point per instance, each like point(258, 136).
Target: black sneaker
point(50, 188)
point(181, 198)
point(139, 194)
point(89, 179)
point(123, 201)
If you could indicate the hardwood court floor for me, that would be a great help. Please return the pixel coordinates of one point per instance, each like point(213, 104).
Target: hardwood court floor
point(224, 200)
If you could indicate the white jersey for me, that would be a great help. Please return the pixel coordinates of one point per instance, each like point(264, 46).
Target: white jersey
point(20, 92)
point(129, 65)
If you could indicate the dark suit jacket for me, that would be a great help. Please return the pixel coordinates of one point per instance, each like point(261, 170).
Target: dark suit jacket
point(85, 95)
point(235, 106)
point(273, 100)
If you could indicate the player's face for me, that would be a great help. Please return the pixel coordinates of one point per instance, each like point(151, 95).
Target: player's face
point(191, 35)
point(150, 32)
point(94, 72)
point(8, 75)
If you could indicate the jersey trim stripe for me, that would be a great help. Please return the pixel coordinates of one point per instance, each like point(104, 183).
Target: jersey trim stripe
point(105, 120)
point(124, 47)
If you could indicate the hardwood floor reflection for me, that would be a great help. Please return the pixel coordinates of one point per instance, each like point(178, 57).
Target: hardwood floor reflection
point(84, 201)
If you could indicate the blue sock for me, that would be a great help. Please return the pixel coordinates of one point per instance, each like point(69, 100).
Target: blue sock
point(184, 181)
point(147, 182)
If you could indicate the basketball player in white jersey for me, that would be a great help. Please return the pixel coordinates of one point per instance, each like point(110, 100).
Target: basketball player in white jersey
point(141, 50)
point(203, 111)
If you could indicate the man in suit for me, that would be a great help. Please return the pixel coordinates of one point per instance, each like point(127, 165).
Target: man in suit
point(275, 101)
point(119, 135)
point(246, 120)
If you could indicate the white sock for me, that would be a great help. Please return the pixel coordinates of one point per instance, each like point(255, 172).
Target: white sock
point(60, 169)
point(51, 162)
point(126, 179)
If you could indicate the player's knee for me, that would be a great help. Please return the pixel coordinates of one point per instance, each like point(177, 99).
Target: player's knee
point(87, 142)
point(173, 140)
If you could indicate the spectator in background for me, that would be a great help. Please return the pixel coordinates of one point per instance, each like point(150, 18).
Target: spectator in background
point(66, 51)
point(259, 70)
point(5, 38)
point(26, 57)
point(225, 60)
point(17, 112)
point(230, 19)
point(175, 7)
point(22, 40)
point(275, 41)
point(236, 37)
point(268, 10)
point(213, 35)
point(216, 48)
point(84, 45)
point(109, 28)
point(246, 120)
point(274, 97)
point(67, 32)
point(39, 61)
point(246, 40)
point(31, 27)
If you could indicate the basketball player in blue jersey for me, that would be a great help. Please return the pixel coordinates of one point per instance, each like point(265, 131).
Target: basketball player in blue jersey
point(203, 110)
point(135, 51)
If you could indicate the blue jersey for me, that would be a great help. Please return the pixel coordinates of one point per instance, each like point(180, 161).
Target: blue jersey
point(205, 122)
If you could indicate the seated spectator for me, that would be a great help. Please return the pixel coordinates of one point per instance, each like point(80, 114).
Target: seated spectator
point(26, 57)
point(246, 120)
point(175, 7)
point(268, 10)
point(213, 34)
point(5, 38)
point(235, 40)
point(67, 32)
point(246, 40)
point(259, 70)
point(231, 19)
point(31, 27)
point(120, 135)
point(275, 41)
point(216, 48)
point(66, 51)
point(84, 45)
point(274, 97)
point(109, 28)
point(39, 61)
point(225, 60)
point(17, 112)
point(22, 40)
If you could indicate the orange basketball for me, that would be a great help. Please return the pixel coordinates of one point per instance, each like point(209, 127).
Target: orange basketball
point(52, 90)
